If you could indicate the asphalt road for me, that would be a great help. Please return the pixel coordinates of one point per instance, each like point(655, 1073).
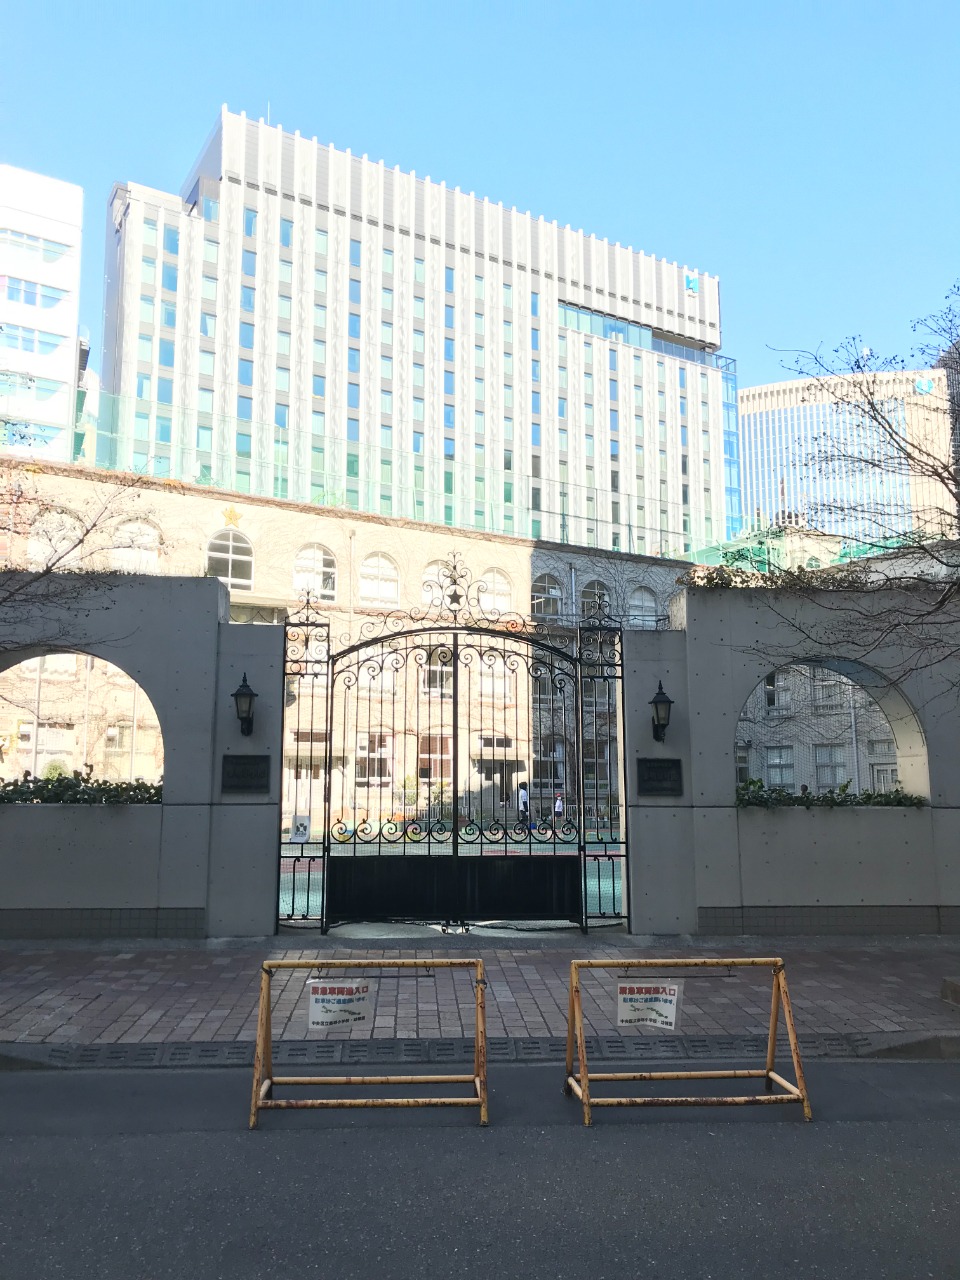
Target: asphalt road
point(145, 1175)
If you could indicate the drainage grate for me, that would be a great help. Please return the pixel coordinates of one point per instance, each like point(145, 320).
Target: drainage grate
point(305, 1053)
point(117, 1055)
point(203, 1055)
point(540, 1050)
point(454, 1052)
point(321, 1053)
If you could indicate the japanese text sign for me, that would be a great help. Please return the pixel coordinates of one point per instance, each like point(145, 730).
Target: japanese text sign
point(336, 1002)
point(649, 1002)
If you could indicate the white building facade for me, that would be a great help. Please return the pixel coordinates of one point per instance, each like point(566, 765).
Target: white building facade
point(40, 242)
point(307, 324)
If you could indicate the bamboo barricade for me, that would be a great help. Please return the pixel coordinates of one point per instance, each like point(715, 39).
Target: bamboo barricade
point(578, 1083)
point(264, 1080)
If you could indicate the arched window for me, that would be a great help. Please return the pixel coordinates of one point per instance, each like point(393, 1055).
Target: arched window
point(230, 558)
point(813, 563)
point(315, 570)
point(56, 541)
point(379, 580)
point(497, 594)
point(594, 597)
point(136, 548)
point(546, 597)
point(431, 582)
point(643, 609)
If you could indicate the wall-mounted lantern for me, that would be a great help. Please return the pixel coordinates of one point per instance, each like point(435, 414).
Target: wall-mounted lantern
point(244, 698)
point(661, 713)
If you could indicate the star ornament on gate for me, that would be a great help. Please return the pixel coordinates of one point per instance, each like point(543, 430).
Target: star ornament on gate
point(454, 599)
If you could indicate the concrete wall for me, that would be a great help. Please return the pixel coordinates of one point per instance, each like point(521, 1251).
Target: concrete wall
point(697, 863)
point(203, 862)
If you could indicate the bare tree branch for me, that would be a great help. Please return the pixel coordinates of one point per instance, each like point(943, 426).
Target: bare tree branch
point(51, 554)
point(887, 462)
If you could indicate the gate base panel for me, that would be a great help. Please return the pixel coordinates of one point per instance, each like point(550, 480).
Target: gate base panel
point(384, 887)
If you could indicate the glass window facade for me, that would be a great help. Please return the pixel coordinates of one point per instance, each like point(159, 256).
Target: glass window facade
point(601, 325)
point(355, 312)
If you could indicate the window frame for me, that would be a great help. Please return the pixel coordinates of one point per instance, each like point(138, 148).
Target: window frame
point(237, 551)
point(379, 561)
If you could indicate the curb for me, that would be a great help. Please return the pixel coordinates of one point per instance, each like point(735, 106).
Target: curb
point(319, 1053)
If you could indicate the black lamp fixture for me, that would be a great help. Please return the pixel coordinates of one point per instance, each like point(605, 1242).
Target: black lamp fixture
point(244, 698)
point(661, 713)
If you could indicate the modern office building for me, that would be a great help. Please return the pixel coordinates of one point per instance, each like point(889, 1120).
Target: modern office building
point(307, 324)
point(814, 456)
point(41, 355)
point(949, 362)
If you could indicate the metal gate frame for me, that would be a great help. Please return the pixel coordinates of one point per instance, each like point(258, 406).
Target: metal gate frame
point(454, 622)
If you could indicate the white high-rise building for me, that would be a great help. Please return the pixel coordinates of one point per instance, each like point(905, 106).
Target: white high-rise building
point(40, 352)
point(826, 456)
point(308, 324)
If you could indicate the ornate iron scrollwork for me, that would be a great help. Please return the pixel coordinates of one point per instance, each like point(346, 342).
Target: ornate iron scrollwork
point(455, 601)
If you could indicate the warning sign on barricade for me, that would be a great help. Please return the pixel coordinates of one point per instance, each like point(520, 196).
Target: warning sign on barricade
point(654, 1002)
point(341, 1001)
point(337, 1003)
point(647, 1002)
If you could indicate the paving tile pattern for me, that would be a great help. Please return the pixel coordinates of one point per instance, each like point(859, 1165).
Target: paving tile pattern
point(201, 994)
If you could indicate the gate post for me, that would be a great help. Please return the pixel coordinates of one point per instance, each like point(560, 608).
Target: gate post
point(455, 769)
point(581, 791)
point(327, 789)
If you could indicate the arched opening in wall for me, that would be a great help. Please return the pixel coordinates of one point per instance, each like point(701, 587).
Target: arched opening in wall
point(61, 712)
point(816, 727)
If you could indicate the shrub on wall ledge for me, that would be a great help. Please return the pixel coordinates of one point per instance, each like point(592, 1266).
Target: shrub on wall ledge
point(753, 794)
point(724, 576)
point(78, 788)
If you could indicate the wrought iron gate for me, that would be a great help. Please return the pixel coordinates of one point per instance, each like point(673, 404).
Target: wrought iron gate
point(450, 764)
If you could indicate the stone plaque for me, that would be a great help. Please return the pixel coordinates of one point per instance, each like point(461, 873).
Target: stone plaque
point(659, 777)
point(245, 773)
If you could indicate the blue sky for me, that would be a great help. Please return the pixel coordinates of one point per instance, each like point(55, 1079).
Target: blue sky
point(805, 152)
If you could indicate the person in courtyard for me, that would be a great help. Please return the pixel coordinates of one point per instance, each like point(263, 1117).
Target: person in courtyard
point(523, 804)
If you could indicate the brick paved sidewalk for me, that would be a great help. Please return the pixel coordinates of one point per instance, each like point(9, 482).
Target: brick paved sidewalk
point(200, 992)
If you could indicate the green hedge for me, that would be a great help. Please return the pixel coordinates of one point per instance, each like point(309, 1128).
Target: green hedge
point(78, 788)
point(753, 794)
